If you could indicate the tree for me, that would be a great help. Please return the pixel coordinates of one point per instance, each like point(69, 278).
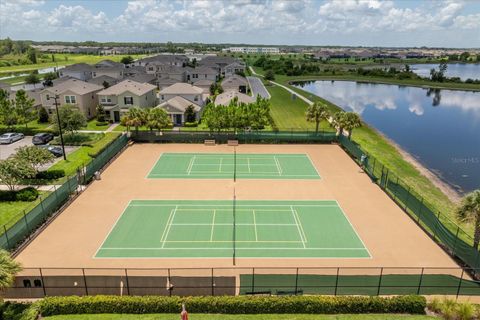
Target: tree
point(43, 115)
point(8, 117)
point(105, 84)
point(190, 114)
point(469, 211)
point(127, 60)
point(101, 113)
point(316, 113)
point(34, 156)
point(215, 89)
point(48, 78)
point(269, 75)
point(32, 55)
point(157, 118)
point(12, 171)
point(32, 78)
point(135, 117)
point(24, 108)
point(340, 121)
point(352, 121)
point(71, 119)
point(8, 269)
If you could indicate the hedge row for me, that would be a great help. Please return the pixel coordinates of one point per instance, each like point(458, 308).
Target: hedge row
point(230, 305)
point(25, 194)
point(27, 131)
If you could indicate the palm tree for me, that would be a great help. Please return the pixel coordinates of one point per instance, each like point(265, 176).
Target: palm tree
point(340, 121)
point(157, 118)
point(352, 121)
point(135, 117)
point(469, 211)
point(316, 113)
point(8, 269)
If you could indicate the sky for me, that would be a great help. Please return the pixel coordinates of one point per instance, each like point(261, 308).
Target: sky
point(397, 23)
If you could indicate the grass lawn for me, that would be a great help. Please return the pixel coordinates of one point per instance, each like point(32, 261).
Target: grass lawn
point(61, 59)
point(31, 125)
point(92, 126)
point(12, 211)
point(375, 144)
point(241, 317)
point(82, 156)
point(289, 114)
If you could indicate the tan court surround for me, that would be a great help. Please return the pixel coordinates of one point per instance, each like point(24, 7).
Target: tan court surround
point(392, 238)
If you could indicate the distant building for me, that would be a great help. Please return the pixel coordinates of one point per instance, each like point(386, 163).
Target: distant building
point(253, 50)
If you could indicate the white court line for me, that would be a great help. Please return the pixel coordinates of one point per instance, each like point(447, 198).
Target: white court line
point(279, 169)
point(301, 226)
point(220, 167)
point(255, 225)
point(169, 226)
point(237, 224)
point(237, 205)
point(298, 227)
point(196, 172)
point(228, 211)
point(256, 248)
point(213, 225)
point(166, 226)
point(248, 163)
point(189, 169)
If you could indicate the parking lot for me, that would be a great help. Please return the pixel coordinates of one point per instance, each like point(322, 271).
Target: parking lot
point(6, 150)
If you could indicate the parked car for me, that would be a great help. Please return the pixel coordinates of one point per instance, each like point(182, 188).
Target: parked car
point(55, 150)
point(11, 137)
point(42, 138)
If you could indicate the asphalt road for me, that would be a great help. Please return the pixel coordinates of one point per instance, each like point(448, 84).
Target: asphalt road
point(258, 88)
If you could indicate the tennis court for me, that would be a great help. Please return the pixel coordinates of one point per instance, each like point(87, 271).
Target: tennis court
point(225, 165)
point(220, 229)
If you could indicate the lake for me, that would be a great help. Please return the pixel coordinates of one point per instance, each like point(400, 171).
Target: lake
point(441, 128)
point(462, 70)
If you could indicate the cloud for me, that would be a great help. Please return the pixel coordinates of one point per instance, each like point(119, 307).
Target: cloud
point(237, 20)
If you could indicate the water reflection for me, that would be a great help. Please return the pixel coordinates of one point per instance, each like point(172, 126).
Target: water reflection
point(439, 127)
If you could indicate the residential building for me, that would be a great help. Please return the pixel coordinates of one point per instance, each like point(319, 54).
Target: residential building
point(201, 73)
point(234, 68)
point(253, 50)
point(225, 98)
point(235, 83)
point(219, 63)
point(168, 71)
point(80, 71)
point(109, 64)
point(80, 94)
point(143, 78)
point(204, 84)
point(187, 91)
point(118, 98)
point(176, 108)
point(114, 72)
point(165, 83)
point(104, 81)
point(164, 59)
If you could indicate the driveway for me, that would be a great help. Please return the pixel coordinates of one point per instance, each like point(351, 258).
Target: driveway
point(257, 87)
point(6, 150)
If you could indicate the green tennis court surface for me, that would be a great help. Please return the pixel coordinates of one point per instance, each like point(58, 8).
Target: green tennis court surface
point(222, 166)
point(275, 229)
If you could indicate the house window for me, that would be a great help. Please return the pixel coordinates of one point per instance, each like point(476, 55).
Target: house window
point(195, 99)
point(48, 97)
point(128, 100)
point(70, 99)
point(94, 74)
point(162, 97)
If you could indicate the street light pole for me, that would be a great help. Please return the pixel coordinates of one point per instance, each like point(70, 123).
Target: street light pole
point(60, 128)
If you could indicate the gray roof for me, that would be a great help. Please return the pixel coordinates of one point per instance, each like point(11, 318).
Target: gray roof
point(170, 69)
point(77, 86)
point(135, 70)
point(182, 88)
point(203, 70)
point(225, 98)
point(142, 77)
point(109, 63)
point(128, 85)
point(101, 79)
point(78, 67)
point(203, 83)
point(165, 59)
point(234, 81)
point(60, 80)
point(217, 60)
point(178, 104)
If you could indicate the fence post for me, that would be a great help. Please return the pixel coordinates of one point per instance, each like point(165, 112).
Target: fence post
point(253, 280)
point(55, 191)
point(85, 281)
point(126, 281)
point(6, 236)
point(26, 223)
point(296, 282)
point(420, 282)
point(456, 239)
point(380, 281)
point(43, 282)
point(460, 284)
point(336, 281)
point(420, 211)
point(41, 205)
point(408, 198)
point(169, 284)
point(213, 285)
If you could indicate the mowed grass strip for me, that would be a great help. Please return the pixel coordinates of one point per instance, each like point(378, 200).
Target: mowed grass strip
point(200, 316)
point(12, 211)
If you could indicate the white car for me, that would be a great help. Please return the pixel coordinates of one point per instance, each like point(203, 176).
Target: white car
point(11, 137)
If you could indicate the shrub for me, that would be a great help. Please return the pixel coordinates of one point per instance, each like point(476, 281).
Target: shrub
point(190, 124)
point(231, 305)
point(14, 310)
point(101, 123)
point(27, 194)
point(27, 131)
point(43, 115)
point(465, 311)
point(50, 175)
